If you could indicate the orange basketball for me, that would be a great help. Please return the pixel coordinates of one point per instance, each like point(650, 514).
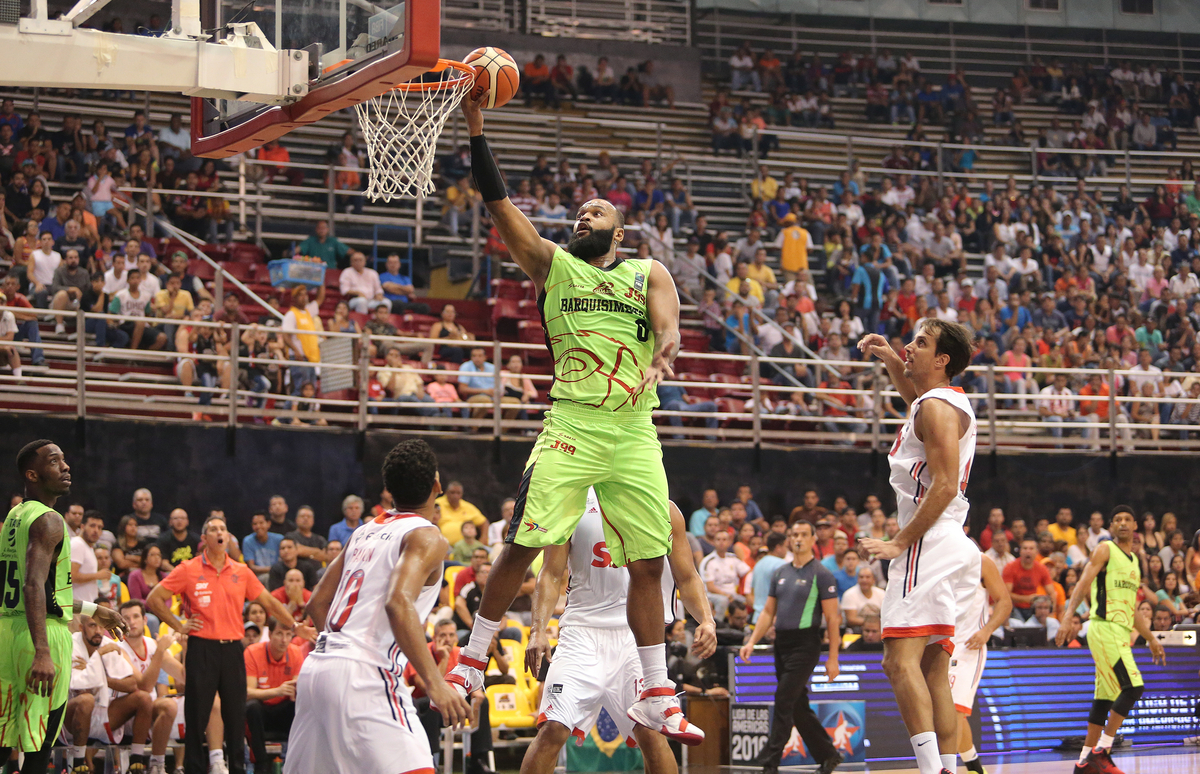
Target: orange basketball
point(495, 73)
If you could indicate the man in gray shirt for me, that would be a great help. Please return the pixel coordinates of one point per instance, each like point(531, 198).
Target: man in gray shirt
point(70, 282)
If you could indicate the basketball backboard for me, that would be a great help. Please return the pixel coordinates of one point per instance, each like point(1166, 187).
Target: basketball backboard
point(356, 50)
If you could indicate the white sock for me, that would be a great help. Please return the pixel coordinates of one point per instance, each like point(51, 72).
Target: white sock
point(969, 755)
point(925, 747)
point(76, 753)
point(216, 756)
point(481, 637)
point(1083, 754)
point(137, 749)
point(159, 759)
point(17, 372)
point(949, 762)
point(1105, 743)
point(654, 665)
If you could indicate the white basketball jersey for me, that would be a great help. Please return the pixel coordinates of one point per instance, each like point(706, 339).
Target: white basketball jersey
point(139, 662)
point(597, 591)
point(357, 627)
point(910, 475)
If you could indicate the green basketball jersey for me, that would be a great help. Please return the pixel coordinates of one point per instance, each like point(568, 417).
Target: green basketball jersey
point(598, 331)
point(13, 544)
point(1114, 592)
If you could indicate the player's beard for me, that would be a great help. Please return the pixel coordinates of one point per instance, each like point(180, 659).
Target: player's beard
point(591, 245)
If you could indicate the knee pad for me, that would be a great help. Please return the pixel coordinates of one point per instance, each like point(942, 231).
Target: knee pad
point(1099, 714)
point(1125, 701)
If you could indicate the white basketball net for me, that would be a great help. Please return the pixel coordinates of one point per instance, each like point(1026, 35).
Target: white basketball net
point(401, 129)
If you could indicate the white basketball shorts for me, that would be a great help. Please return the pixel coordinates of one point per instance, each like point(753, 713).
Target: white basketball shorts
point(100, 729)
point(924, 584)
point(592, 668)
point(354, 717)
point(178, 727)
point(966, 667)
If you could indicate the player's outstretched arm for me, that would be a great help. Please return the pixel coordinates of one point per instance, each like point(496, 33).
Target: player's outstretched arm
point(421, 561)
point(323, 594)
point(691, 587)
point(663, 307)
point(44, 535)
point(937, 425)
point(997, 589)
point(545, 597)
point(532, 253)
point(874, 344)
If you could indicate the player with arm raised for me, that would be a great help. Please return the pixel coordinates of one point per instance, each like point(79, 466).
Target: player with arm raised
point(353, 713)
point(612, 327)
point(933, 562)
point(972, 630)
point(596, 663)
point(36, 605)
point(1112, 576)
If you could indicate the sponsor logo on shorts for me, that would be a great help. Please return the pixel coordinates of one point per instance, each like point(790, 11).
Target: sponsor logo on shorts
point(531, 526)
point(556, 689)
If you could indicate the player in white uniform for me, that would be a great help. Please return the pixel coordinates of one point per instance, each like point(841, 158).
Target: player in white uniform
point(353, 712)
point(596, 662)
point(154, 662)
point(930, 464)
point(972, 631)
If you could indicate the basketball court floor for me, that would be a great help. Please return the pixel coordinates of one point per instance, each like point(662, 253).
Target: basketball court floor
point(1144, 760)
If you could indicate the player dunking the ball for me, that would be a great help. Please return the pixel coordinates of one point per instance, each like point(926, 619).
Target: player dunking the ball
point(933, 562)
point(1113, 577)
point(612, 327)
point(36, 605)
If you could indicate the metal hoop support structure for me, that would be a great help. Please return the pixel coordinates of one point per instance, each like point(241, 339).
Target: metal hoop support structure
point(401, 128)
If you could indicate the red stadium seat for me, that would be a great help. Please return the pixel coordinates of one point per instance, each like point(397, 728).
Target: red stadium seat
point(513, 289)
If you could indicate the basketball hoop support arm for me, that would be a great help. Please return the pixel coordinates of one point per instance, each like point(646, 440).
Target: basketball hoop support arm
point(244, 66)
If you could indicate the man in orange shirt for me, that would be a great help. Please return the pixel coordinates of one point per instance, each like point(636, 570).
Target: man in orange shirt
point(271, 669)
point(537, 83)
point(214, 588)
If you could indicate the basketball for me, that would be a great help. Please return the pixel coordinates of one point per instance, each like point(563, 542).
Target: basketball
point(495, 73)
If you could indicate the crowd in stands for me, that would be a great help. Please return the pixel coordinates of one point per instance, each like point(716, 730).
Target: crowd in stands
point(639, 85)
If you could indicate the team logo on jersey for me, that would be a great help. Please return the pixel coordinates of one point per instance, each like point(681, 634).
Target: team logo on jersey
point(604, 288)
point(639, 281)
point(532, 526)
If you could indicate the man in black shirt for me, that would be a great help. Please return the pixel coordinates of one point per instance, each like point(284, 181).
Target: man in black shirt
point(150, 523)
point(177, 544)
point(288, 560)
point(871, 640)
point(791, 608)
point(277, 510)
point(309, 545)
point(70, 145)
point(467, 603)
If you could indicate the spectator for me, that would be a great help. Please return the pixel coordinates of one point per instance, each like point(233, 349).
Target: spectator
point(299, 331)
point(655, 89)
point(352, 511)
point(309, 545)
point(1026, 578)
point(401, 384)
point(479, 390)
point(150, 522)
point(455, 510)
point(1041, 607)
point(743, 71)
point(562, 75)
point(537, 82)
point(999, 552)
point(846, 571)
point(464, 550)
point(289, 559)
point(723, 572)
point(85, 572)
point(293, 595)
point(177, 543)
point(261, 548)
point(862, 599)
point(361, 286)
point(764, 569)
point(447, 328)
point(1056, 407)
point(675, 398)
point(271, 671)
point(1062, 528)
point(324, 246)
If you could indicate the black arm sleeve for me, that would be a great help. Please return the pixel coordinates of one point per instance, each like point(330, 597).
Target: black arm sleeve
point(488, 181)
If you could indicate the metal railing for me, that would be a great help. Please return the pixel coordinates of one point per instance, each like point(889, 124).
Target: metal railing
point(735, 402)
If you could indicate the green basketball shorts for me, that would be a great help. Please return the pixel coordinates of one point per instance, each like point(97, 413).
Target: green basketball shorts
point(1113, 653)
point(24, 716)
point(616, 453)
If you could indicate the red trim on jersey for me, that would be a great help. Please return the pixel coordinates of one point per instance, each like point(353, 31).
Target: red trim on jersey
point(956, 389)
point(426, 770)
point(472, 662)
point(964, 710)
point(931, 630)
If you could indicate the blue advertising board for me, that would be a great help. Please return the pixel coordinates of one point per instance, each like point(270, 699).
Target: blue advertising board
point(750, 723)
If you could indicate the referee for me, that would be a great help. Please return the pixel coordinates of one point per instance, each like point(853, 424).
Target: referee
point(795, 589)
point(214, 589)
